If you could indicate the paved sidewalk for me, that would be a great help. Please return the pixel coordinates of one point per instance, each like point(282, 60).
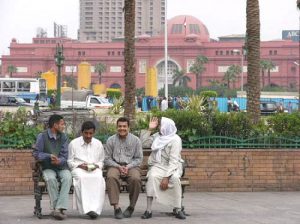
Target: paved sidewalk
point(206, 208)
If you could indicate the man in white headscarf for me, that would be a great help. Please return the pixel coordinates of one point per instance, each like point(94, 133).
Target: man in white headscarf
point(165, 166)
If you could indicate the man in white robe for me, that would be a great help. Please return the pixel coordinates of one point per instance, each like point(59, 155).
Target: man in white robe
point(86, 156)
point(165, 166)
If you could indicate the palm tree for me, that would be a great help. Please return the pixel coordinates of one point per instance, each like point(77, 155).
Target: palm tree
point(266, 65)
point(180, 78)
point(253, 56)
point(270, 66)
point(298, 6)
point(198, 68)
point(100, 68)
point(129, 61)
point(11, 69)
point(263, 67)
point(230, 75)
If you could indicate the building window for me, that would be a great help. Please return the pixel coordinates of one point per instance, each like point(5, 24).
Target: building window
point(194, 28)
point(108, 53)
point(227, 52)
point(143, 66)
point(221, 52)
point(217, 52)
point(275, 52)
point(270, 52)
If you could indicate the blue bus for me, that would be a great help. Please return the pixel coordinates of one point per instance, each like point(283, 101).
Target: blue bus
point(29, 89)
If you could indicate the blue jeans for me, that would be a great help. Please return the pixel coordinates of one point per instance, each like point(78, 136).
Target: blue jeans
point(59, 199)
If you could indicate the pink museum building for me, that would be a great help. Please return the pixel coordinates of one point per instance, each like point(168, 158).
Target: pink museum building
point(187, 38)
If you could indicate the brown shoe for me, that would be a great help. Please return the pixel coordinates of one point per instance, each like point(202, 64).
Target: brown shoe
point(62, 211)
point(58, 215)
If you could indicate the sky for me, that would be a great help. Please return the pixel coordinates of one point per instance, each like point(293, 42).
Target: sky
point(20, 18)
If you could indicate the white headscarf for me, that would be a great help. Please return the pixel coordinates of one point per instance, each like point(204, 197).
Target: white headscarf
point(167, 134)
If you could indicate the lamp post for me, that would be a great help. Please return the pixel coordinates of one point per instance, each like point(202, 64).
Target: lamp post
point(166, 51)
point(296, 63)
point(59, 61)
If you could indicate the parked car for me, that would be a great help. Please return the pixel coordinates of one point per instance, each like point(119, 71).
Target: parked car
point(270, 107)
point(6, 100)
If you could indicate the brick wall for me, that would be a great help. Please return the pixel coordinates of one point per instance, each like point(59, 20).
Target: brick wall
point(15, 172)
point(208, 170)
point(243, 170)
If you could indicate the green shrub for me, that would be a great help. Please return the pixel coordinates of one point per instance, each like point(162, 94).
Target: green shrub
point(113, 93)
point(287, 125)
point(232, 124)
point(177, 91)
point(190, 124)
point(15, 126)
point(208, 94)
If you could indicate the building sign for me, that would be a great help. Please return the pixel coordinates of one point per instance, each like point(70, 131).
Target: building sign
point(71, 68)
point(116, 69)
point(290, 35)
point(22, 69)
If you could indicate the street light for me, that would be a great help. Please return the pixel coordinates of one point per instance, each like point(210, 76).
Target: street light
point(296, 63)
point(242, 65)
point(166, 51)
point(59, 61)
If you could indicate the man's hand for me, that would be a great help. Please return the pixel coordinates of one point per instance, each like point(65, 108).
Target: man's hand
point(55, 160)
point(123, 170)
point(164, 183)
point(153, 123)
point(83, 166)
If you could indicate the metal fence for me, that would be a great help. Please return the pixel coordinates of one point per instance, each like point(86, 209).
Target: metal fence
point(265, 142)
point(208, 142)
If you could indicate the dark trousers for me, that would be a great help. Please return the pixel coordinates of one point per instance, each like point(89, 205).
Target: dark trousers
point(113, 182)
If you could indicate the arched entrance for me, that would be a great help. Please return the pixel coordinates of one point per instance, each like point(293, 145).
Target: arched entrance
point(172, 66)
point(115, 86)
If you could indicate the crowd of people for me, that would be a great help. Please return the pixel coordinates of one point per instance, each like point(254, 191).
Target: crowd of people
point(81, 162)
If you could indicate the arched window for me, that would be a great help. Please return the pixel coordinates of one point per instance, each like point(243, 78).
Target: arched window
point(115, 86)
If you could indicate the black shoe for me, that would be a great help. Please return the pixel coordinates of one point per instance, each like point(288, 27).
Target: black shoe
point(92, 215)
point(128, 212)
point(118, 213)
point(146, 215)
point(180, 215)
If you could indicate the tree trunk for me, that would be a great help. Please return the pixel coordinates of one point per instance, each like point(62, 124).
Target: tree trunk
point(269, 77)
point(99, 74)
point(129, 66)
point(198, 81)
point(253, 47)
point(263, 78)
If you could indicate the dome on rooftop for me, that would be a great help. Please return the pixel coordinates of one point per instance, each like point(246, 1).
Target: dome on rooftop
point(185, 25)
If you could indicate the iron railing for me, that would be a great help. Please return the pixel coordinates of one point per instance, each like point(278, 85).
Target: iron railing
point(207, 142)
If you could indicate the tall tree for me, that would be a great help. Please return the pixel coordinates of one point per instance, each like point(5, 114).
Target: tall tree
point(298, 6)
point(231, 74)
point(263, 68)
point(129, 61)
point(253, 55)
point(11, 69)
point(270, 66)
point(100, 68)
point(266, 65)
point(198, 68)
point(180, 78)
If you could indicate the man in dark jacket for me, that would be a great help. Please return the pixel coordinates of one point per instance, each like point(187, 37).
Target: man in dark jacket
point(52, 151)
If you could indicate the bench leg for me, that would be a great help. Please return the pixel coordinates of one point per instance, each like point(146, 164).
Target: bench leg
point(182, 197)
point(38, 197)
